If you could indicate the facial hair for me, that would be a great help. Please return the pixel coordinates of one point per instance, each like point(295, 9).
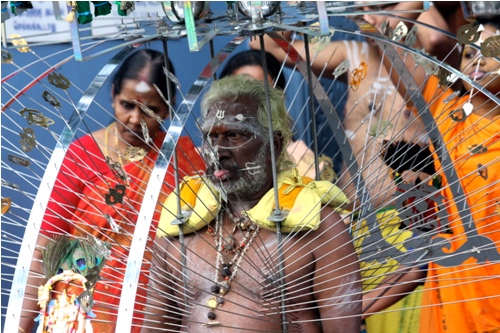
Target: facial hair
point(250, 182)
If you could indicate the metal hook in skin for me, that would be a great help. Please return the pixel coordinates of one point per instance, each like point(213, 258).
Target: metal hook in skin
point(277, 215)
point(181, 220)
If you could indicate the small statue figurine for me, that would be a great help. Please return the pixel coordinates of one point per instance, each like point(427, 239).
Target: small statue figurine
point(72, 267)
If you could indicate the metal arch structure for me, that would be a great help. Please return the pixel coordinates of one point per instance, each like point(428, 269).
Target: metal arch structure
point(47, 184)
point(287, 18)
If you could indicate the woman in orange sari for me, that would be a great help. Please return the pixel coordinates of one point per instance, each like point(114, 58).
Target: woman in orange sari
point(101, 184)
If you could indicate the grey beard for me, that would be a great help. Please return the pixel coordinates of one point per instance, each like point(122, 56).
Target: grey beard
point(247, 184)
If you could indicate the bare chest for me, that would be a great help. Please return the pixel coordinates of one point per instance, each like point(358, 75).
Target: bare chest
point(238, 283)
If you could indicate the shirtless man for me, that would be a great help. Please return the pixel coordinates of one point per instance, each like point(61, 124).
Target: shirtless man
point(232, 280)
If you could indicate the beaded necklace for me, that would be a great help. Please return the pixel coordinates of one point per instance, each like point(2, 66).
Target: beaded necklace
point(228, 270)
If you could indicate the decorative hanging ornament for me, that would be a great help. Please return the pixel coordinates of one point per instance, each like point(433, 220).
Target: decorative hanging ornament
point(135, 154)
point(469, 33)
point(6, 57)
point(82, 11)
point(19, 7)
point(429, 66)
point(58, 80)
point(477, 149)
point(18, 160)
point(468, 108)
point(72, 268)
point(491, 46)
point(28, 141)
point(51, 99)
point(145, 131)
point(342, 68)
point(326, 166)
point(400, 31)
point(125, 7)
point(11, 185)
point(101, 8)
point(20, 43)
point(149, 112)
point(115, 195)
point(411, 36)
point(36, 118)
point(458, 115)
point(358, 75)
point(72, 13)
point(6, 204)
point(482, 171)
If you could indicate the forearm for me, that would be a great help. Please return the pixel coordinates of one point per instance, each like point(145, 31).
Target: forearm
point(393, 288)
point(337, 281)
point(367, 153)
point(345, 307)
point(417, 72)
point(323, 62)
point(405, 10)
point(435, 42)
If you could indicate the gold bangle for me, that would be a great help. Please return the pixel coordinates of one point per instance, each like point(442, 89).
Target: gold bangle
point(22, 331)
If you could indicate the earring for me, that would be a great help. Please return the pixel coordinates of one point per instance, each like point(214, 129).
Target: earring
point(113, 105)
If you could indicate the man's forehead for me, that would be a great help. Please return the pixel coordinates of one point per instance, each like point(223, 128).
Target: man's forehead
point(245, 108)
point(232, 114)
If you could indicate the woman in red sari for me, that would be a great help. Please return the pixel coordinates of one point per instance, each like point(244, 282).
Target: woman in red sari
point(101, 184)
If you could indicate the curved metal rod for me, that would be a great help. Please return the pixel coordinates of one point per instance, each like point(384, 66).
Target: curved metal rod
point(277, 216)
point(314, 131)
point(39, 77)
point(436, 138)
point(27, 249)
point(145, 216)
point(180, 217)
point(339, 134)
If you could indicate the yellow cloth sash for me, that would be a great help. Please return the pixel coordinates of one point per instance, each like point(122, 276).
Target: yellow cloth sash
point(300, 198)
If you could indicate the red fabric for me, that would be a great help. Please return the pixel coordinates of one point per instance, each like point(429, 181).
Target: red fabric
point(77, 206)
point(466, 298)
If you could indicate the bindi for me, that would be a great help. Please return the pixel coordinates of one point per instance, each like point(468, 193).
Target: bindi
point(142, 87)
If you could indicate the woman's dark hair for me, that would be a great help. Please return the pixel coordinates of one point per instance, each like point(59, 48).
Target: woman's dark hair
point(254, 58)
point(402, 156)
point(494, 21)
point(147, 65)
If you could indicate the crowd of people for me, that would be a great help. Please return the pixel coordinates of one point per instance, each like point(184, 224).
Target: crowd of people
point(252, 239)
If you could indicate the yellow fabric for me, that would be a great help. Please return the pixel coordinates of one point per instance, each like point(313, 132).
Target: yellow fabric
point(188, 194)
point(199, 212)
point(401, 317)
point(396, 318)
point(300, 198)
point(373, 272)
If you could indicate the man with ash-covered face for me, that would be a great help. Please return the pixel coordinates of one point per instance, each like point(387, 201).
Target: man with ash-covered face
point(229, 278)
